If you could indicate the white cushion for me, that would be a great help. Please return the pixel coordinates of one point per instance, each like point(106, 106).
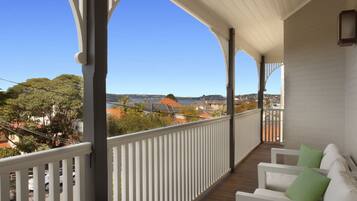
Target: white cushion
point(279, 181)
point(271, 194)
point(328, 159)
point(337, 167)
point(331, 148)
point(341, 188)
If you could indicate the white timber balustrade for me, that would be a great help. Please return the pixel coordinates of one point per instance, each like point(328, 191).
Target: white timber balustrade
point(247, 133)
point(56, 174)
point(176, 163)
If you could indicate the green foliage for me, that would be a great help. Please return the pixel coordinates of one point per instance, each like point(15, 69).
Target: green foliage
point(172, 97)
point(8, 152)
point(135, 120)
point(190, 113)
point(3, 97)
point(244, 106)
point(27, 144)
point(44, 105)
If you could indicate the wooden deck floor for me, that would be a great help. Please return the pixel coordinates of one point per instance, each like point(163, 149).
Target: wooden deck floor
point(245, 177)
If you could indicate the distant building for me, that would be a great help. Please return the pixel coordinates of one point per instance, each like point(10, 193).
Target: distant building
point(170, 102)
point(115, 112)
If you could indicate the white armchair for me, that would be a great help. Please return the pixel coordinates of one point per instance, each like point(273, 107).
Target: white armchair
point(241, 196)
point(290, 173)
point(287, 152)
point(340, 188)
point(280, 180)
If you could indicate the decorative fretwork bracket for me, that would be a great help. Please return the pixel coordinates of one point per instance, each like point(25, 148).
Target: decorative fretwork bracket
point(269, 70)
point(79, 10)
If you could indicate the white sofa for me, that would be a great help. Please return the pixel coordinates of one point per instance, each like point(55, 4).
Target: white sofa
point(279, 180)
point(341, 188)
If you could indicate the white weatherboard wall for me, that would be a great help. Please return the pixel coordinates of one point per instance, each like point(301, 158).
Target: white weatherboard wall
point(247, 133)
point(314, 76)
point(351, 95)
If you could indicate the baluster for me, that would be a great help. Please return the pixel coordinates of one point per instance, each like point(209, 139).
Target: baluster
point(117, 165)
point(186, 160)
point(162, 168)
point(157, 168)
point(132, 170)
point(177, 167)
point(265, 126)
point(221, 149)
point(22, 192)
point(193, 163)
point(195, 153)
point(204, 169)
point(173, 163)
point(110, 161)
point(152, 187)
point(211, 154)
point(276, 126)
point(67, 177)
point(270, 126)
point(54, 193)
point(139, 171)
point(80, 179)
point(273, 124)
point(145, 170)
point(39, 183)
point(166, 167)
point(4, 186)
point(200, 171)
point(125, 173)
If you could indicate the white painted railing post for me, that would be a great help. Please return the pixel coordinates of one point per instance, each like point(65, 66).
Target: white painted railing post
point(4, 186)
point(39, 182)
point(22, 192)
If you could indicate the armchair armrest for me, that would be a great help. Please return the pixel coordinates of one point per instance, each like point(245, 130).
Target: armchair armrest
point(276, 151)
point(263, 168)
point(241, 196)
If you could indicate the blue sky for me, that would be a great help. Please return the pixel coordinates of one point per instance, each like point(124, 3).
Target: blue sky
point(154, 48)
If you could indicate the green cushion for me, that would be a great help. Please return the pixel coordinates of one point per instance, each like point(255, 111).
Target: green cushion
point(308, 186)
point(309, 157)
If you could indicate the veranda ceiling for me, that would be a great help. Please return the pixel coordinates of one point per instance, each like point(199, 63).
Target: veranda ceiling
point(259, 24)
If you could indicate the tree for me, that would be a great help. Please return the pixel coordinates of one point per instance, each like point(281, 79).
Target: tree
point(244, 106)
point(135, 120)
point(190, 113)
point(47, 106)
point(8, 152)
point(27, 144)
point(172, 97)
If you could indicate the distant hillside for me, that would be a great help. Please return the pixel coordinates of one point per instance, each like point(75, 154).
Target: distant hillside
point(154, 98)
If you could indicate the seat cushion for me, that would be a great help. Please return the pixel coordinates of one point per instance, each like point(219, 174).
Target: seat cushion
point(337, 167)
point(271, 194)
point(331, 148)
point(309, 157)
point(279, 181)
point(308, 186)
point(328, 159)
point(341, 188)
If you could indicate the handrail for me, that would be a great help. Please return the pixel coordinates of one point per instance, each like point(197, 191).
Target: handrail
point(248, 112)
point(29, 160)
point(160, 131)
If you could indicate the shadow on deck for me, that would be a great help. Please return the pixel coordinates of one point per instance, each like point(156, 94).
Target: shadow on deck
point(244, 178)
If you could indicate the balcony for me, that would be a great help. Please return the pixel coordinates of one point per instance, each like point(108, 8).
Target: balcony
point(210, 159)
point(176, 163)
